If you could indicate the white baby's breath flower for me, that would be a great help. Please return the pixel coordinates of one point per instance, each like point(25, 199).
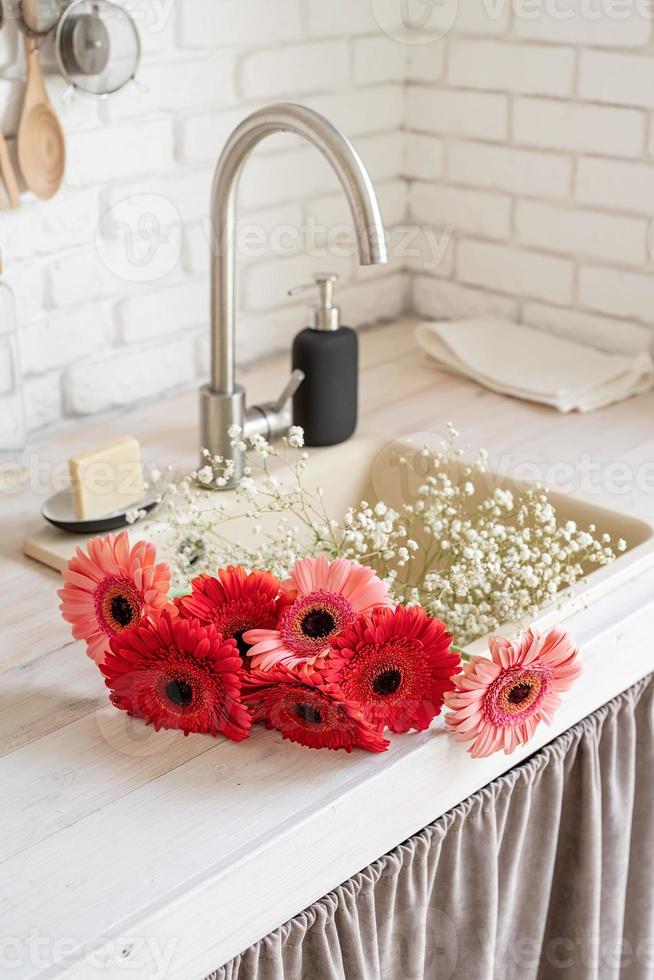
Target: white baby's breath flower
point(296, 437)
point(205, 475)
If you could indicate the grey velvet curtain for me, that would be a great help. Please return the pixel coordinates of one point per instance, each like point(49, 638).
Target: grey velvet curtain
point(546, 873)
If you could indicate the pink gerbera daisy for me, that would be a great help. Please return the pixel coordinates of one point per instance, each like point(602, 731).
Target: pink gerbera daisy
point(309, 711)
point(498, 703)
point(397, 665)
point(111, 588)
point(329, 596)
point(235, 602)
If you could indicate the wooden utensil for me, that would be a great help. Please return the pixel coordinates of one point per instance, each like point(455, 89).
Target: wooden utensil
point(41, 146)
point(30, 14)
point(8, 174)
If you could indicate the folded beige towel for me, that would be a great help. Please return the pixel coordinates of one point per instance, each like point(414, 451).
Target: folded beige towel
point(526, 363)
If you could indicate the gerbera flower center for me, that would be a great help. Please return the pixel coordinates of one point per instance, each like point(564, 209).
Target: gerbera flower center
point(180, 693)
point(308, 713)
point(118, 604)
point(388, 682)
point(233, 623)
point(243, 647)
point(122, 610)
point(182, 688)
point(235, 618)
point(312, 620)
point(516, 695)
point(318, 623)
point(519, 693)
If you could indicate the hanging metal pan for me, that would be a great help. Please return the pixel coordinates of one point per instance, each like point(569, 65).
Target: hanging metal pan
point(98, 47)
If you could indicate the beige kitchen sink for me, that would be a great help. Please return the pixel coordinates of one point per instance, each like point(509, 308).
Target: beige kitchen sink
point(367, 469)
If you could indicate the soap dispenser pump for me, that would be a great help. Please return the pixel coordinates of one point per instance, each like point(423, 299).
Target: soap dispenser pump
point(325, 405)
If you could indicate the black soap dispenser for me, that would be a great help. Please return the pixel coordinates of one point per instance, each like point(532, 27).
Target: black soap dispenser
point(325, 404)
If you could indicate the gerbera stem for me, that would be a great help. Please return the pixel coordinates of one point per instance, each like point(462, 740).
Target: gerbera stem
point(464, 656)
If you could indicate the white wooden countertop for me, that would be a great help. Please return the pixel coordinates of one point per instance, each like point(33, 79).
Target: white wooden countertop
point(122, 848)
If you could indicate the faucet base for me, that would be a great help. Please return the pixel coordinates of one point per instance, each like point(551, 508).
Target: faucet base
point(219, 411)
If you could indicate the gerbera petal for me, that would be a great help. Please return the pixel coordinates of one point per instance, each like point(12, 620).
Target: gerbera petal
point(339, 573)
point(308, 574)
point(558, 648)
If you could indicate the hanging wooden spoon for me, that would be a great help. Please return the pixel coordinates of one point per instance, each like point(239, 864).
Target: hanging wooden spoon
point(8, 174)
point(41, 146)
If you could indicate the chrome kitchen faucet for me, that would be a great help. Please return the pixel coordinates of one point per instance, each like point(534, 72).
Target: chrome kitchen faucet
point(222, 401)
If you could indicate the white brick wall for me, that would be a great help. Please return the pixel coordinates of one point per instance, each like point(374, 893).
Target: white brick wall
point(534, 69)
point(549, 114)
point(520, 141)
point(112, 276)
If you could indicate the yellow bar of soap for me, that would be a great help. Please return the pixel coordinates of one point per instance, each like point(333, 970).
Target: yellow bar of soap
point(107, 479)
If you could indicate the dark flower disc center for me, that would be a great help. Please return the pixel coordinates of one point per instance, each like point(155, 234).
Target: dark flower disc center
point(387, 682)
point(122, 610)
point(519, 693)
point(180, 693)
point(308, 713)
point(317, 624)
point(243, 647)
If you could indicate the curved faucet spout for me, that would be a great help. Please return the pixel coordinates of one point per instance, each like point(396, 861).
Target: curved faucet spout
point(369, 228)
point(284, 117)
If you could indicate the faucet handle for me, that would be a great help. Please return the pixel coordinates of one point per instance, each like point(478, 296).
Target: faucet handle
point(291, 386)
point(272, 420)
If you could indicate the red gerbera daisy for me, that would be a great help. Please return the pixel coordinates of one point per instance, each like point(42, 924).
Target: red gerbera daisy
point(397, 665)
point(235, 602)
point(310, 712)
point(177, 673)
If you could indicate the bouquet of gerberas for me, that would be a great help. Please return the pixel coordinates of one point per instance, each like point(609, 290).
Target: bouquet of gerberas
point(324, 656)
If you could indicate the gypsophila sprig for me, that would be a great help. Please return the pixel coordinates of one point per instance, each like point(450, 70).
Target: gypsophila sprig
point(471, 553)
point(195, 521)
point(489, 556)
